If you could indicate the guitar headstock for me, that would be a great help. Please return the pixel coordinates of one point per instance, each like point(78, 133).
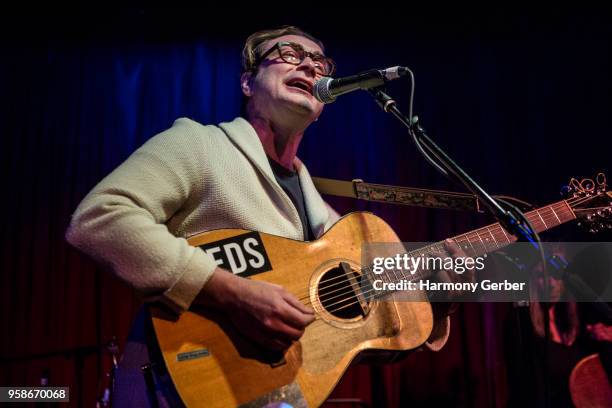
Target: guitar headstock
point(591, 201)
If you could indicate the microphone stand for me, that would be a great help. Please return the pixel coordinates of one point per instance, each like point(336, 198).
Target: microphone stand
point(512, 220)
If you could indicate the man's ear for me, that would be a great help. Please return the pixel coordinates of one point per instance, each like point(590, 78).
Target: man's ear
point(245, 83)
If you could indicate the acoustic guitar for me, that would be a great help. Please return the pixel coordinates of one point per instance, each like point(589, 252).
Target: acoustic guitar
point(211, 365)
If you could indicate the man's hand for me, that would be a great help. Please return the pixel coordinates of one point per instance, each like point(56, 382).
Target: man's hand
point(264, 312)
point(450, 276)
point(456, 252)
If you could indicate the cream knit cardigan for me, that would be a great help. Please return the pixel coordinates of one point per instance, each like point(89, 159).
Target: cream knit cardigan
point(185, 180)
point(189, 179)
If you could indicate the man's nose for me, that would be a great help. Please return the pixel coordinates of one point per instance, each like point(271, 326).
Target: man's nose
point(308, 64)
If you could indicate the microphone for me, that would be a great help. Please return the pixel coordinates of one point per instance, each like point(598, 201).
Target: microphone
point(327, 89)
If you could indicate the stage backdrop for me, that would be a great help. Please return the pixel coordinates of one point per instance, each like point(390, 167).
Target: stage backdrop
point(521, 105)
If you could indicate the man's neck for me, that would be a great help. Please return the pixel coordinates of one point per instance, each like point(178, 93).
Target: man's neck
point(279, 143)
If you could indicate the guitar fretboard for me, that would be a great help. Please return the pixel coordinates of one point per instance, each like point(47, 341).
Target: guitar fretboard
point(486, 239)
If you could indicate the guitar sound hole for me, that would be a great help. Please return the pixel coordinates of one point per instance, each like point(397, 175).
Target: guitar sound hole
point(337, 296)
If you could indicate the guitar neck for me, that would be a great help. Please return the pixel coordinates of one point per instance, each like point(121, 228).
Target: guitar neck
point(492, 237)
point(489, 238)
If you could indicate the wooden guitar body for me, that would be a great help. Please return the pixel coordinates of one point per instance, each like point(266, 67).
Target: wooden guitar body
point(213, 366)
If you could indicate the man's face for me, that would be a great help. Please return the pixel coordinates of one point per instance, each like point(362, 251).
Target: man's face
point(279, 90)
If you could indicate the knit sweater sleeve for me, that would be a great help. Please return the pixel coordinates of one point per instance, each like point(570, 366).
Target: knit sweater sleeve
point(122, 222)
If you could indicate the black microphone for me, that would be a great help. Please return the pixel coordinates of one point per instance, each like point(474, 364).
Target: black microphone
point(327, 89)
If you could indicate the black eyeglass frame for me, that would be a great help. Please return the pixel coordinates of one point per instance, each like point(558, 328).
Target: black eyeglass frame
point(302, 54)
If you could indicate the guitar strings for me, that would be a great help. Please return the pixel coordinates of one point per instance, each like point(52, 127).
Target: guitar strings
point(331, 309)
point(318, 318)
point(350, 294)
point(342, 278)
point(347, 290)
point(572, 202)
point(540, 213)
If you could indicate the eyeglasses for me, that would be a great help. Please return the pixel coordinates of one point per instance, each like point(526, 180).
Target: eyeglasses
point(295, 54)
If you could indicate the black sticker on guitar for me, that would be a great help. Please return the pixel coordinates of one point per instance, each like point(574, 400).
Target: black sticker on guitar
point(244, 254)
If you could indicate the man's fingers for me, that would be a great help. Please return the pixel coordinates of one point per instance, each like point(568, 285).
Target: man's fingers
point(272, 343)
point(271, 333)
point(287, 332)
point(452, 247)
point(297, 304)
point(296, 318)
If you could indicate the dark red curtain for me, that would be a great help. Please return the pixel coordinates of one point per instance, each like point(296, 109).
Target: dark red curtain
point(521, 105)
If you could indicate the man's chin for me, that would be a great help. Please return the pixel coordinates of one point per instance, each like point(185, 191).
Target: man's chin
point(307, 104)
point(302, 107)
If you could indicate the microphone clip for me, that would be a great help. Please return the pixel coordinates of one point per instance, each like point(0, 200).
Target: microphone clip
point(382, 98)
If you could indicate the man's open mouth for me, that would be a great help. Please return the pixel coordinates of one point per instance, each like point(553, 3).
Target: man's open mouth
point(302, 84)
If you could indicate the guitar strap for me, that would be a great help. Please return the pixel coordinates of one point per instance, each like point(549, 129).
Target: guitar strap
point(416, 197)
